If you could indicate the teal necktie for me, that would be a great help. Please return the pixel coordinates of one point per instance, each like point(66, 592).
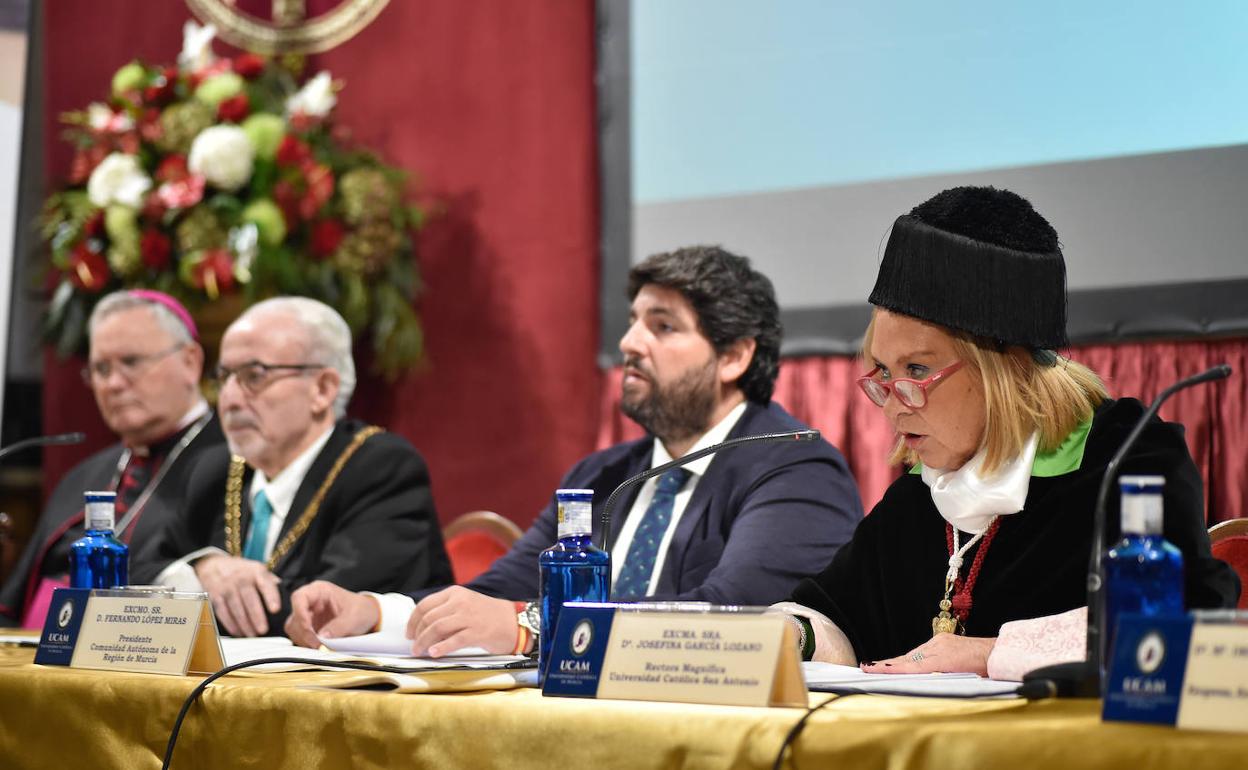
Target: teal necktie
point(634, 580)
point(258, 535)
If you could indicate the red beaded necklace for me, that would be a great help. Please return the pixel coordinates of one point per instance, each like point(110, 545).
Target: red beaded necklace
point(956, 605)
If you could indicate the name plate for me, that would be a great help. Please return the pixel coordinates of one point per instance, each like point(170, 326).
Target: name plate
point(157, 632)
point(683, 652)
point(1180, 671)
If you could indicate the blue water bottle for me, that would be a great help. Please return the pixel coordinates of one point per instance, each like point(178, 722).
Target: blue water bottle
point(1143, 571)
point(573, 569)
point(99, 559)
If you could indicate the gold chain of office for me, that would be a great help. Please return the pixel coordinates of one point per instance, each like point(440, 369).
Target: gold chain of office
point(234, 501)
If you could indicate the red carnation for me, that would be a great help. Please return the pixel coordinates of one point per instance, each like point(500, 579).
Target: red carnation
point(84, 162)
point(155, 249)
point(161, 89)
point(249, 65)
point(181, 194)
point(320, 188)
point(172, 169)
point(325, 237)
point(87, 269)
point(234, 109)
point(292, 151)
point(94, 226)
point(214, 273)
point(149, 125)
point(286, 196)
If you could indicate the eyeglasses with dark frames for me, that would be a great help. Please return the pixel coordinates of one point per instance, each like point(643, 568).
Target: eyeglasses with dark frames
point(910, 392)
point(255, 376)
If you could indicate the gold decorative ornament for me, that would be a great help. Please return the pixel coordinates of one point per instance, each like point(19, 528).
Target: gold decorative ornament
point(234, 501)
point(290, 31)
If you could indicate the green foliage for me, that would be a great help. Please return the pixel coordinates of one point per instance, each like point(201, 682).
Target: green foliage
point(326, 220)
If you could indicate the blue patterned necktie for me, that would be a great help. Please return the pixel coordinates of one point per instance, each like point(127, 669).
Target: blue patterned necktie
point(258, 535)
point(634, 579)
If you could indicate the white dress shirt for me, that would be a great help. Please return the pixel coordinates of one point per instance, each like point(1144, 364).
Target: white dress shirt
point(697, 469)
point(280, 490)
point(396, 608)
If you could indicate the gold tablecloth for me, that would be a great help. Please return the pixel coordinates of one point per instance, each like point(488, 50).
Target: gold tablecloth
point(49, 715)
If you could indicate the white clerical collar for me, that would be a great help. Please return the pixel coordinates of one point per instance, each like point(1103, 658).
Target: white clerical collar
point(710, 438)
point(969, 501)
point(281, 489)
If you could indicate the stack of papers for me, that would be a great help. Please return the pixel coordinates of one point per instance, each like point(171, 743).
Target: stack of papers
point(381, 651)
point(829, 677)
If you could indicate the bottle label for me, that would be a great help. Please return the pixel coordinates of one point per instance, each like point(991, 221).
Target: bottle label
point(1141, 514)
point(99, 510)
point(575, 515)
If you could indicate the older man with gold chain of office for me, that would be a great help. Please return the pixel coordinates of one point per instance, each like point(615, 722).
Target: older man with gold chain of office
point(307, 494)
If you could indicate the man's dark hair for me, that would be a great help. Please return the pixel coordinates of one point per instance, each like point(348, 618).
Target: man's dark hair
point(732, 300)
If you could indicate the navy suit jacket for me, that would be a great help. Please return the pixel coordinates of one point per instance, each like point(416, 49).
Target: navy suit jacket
point(762, 518)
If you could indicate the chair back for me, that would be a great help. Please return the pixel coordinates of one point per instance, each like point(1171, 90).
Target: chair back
point(1229, 540)
point(475, 539)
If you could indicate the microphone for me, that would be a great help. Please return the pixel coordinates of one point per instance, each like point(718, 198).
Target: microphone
point(605, 518)
point(60, 439)
point(1085, 678)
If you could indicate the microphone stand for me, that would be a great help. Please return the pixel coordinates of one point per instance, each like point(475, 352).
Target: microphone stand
point(605, 516)
point(56, 440)
point(1086, 678)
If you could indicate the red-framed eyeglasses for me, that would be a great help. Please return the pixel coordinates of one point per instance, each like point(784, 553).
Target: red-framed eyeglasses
point(912, 393)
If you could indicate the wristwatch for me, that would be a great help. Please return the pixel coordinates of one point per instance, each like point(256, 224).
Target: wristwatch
point(530, 616)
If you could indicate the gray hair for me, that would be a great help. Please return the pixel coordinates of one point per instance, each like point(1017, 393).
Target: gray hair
point(328, 338)
point(124, 300)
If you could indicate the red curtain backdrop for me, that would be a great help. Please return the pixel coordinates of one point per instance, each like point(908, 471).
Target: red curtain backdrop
point(821, 391)
point(491, 104)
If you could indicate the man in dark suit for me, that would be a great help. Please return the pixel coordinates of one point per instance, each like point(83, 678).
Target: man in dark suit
point(144, 368)
point(308, 494)
point(700, 361)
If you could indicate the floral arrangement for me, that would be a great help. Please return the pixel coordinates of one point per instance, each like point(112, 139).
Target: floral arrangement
point(224, 176)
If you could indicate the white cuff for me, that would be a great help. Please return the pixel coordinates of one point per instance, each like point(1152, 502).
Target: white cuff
point(395, 610)
point(180, 575)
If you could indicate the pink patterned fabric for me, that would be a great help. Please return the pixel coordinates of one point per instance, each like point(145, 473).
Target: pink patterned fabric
point(1024, 645)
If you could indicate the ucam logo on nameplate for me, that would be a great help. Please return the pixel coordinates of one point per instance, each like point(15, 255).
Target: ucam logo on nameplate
point(675, 652)
point(155, 631)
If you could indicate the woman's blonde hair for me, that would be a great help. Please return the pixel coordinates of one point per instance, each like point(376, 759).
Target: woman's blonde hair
point(1021, 396)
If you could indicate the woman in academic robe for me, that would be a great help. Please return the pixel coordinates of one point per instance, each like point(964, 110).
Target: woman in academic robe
point(1006, 444)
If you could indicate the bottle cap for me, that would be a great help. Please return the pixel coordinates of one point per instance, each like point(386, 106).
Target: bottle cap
point(99, 510)
point(1142, 484)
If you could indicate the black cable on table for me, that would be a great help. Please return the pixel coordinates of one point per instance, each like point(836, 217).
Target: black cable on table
point(190, 699)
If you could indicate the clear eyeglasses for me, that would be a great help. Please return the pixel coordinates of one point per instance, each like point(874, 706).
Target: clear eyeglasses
point(129, 367)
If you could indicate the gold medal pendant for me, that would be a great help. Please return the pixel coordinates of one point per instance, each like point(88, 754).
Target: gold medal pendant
point(944, 622)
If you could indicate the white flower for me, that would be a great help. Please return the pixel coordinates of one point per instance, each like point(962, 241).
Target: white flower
point(223, 155)
point(102, 118)
point(196, 47)
point(118, 179)
point(315, 99)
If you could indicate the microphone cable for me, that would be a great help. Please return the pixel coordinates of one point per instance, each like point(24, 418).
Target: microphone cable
point(199, 689)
